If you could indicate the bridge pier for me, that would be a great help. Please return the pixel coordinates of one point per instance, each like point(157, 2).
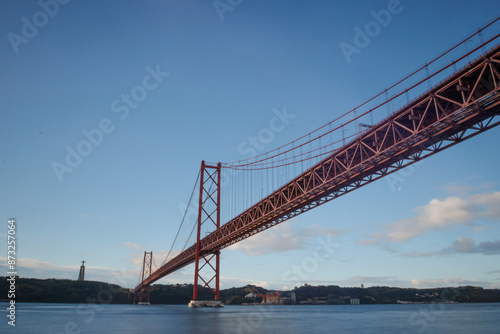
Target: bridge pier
point(205, 303)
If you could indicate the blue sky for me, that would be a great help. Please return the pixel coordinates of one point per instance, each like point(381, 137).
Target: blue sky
point(206, 78)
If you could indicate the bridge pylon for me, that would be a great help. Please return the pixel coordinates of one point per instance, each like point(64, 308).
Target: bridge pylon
point(207, 264)
point(145, 290)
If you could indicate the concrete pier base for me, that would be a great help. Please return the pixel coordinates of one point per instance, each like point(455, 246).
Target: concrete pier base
point(205, 303)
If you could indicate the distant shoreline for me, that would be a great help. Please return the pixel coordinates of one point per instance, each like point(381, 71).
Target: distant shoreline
point(69, 291)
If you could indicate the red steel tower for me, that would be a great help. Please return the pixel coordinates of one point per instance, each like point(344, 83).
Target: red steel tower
point(146, 272)
point(207, 264)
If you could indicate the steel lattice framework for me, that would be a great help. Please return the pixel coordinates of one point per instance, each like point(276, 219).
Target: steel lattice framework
point(460, 107)
point(143, 290)
point(208, 213)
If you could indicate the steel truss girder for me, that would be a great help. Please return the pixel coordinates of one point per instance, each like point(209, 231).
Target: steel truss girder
point(460, 107)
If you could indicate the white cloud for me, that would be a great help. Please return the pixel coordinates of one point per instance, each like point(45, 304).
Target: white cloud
point(34, 268)
point(37, 264)
point(458, 189)
point(437, 215)
point(463, 246)
point(412, 283)
point(159, 256)
point(281, 238)
point(467, 245)
point(367, 281)
point(446, 282)
point(230, 282)
point(494, 272)
point(440, 215)
point(356, 281)
point(132, 245)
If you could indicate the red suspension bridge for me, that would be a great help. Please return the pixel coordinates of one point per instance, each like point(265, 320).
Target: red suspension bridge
point(325, 164)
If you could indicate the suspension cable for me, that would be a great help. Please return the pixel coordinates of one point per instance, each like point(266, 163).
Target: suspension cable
point(183, 218)
point(266, 156)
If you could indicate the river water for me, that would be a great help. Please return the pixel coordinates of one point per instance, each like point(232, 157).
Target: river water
point(93, 318)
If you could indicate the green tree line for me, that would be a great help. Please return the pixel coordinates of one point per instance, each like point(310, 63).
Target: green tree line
point(69, 291)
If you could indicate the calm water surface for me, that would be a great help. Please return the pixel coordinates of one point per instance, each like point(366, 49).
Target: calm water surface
point(88, 318)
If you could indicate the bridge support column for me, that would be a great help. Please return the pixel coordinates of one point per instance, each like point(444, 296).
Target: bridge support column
point(145, 290)
point(207, 265)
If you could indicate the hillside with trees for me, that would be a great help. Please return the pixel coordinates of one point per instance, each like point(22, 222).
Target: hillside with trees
point(69, 291)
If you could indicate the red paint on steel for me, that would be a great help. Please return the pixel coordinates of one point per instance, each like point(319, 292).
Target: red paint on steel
point(205, 215)
point(147, 263)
